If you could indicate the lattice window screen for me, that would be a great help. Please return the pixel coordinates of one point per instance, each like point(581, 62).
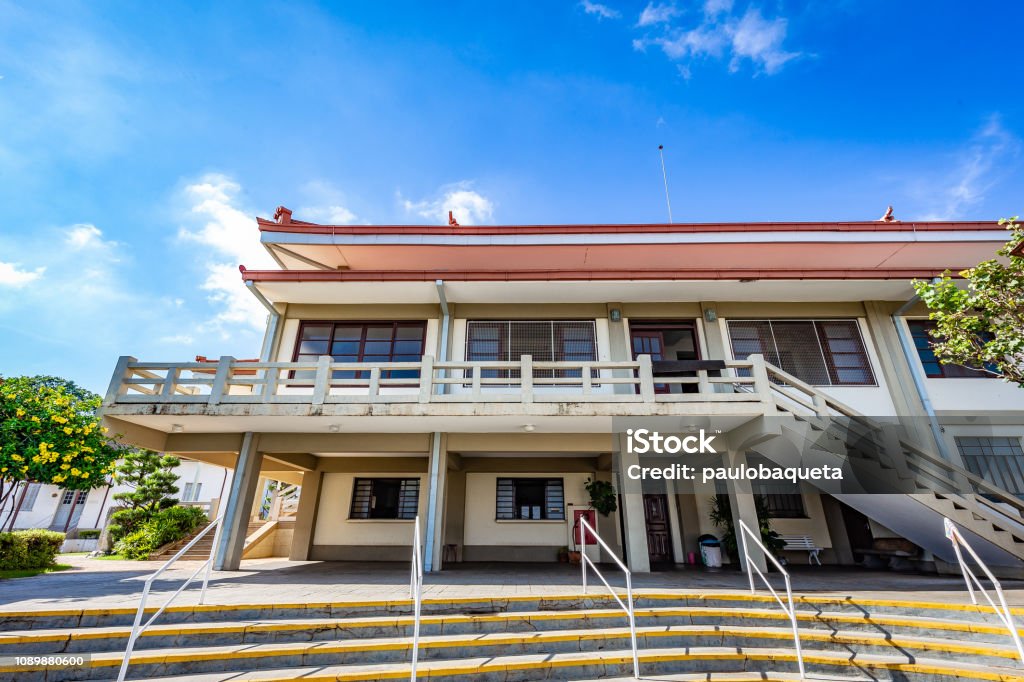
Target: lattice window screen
point(545, 341)
point(820, 352)
point(999, 461)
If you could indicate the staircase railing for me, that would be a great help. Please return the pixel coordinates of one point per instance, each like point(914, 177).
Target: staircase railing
point(807, 402)
point(1002, 610)
point(138, 627)
point(416, 594)
point(628, 606)
point(787, 606)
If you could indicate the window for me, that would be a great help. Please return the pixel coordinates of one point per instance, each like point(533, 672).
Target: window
point(69, 496)
point(779, 499)
point(545, 341)
point(530, 499)
point(820, 352)
point(191, 493)
point(29, 501)
point(372, 342)
point(920, 331)
point(1000, 461)
point(385, 498)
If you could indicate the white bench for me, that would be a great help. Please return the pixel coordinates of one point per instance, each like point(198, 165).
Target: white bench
point(802, 543)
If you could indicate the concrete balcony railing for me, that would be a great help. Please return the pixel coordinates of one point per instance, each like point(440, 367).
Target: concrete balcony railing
point(229, 381)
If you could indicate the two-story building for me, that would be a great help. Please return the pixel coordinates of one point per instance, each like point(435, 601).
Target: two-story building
point(478, 377)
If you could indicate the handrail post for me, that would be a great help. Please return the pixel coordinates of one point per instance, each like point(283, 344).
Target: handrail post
point(117, 386)
point(583, 548)
point(762, 384)
point(426, 378)
point(322, 382)
point(220, 379)
point(646, 378)
point(1002, 610)
point(626, 606)
point(790, 610)
point(526, 378)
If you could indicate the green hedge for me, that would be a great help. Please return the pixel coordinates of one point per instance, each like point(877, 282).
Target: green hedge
point(167, 525)
point(29, 549)
point(88, 534)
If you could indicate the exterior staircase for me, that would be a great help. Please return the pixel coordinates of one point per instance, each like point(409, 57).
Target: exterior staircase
point(924, 487)
point(728, 636)
point(197, 552)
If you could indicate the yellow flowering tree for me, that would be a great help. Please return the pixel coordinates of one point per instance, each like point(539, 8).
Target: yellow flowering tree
point(50, 433)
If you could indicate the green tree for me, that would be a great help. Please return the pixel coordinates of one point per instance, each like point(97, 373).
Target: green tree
point(981, 325)
point(50, 433)
point(151, 479)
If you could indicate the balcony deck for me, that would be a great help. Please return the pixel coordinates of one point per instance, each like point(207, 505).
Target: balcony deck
point(231, 388)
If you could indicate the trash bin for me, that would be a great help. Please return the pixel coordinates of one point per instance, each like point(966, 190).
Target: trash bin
point(710, 551)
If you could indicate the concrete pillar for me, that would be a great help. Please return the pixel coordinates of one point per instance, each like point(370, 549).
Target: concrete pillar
point(239, 503)
point(674, 522)
point(437, 471)
point(305, 518)
point(637, 557)
point(741, 502)
point(713, 336)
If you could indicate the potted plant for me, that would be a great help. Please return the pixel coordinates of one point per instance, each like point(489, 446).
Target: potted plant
point(603, 497)
point(721, 516)
point(563, 555)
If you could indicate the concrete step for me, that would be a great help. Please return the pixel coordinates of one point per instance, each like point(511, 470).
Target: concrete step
point(285, 630)
point(721, 662)
point(21, 619)
point(248, 657)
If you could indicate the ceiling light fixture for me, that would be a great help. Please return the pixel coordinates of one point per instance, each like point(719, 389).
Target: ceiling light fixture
point(177, 428)
point(334, 428)
point(529, 428)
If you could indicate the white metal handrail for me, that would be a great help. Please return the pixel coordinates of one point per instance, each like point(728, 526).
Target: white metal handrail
point(138, 627)
point(628, 606)
point(416, 594)
point(1002, 610)
point(787, 606)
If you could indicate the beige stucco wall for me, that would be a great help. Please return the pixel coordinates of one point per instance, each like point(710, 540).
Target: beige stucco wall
point(481, 528)
point(333, 526)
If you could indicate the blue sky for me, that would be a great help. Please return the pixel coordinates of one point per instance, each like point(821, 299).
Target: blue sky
point(138, 140)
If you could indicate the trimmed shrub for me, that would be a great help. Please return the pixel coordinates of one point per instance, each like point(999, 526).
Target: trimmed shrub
point(167, 525)
point(89, 534)
point(29, 549)
point(126, 521)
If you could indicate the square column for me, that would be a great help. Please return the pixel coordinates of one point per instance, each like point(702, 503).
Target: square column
point(437, 479)
point(634, 520)
point(305, 518)
point(741, 502)
point(239, 504)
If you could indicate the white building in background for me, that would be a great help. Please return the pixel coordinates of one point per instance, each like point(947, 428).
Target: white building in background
point(48, 506)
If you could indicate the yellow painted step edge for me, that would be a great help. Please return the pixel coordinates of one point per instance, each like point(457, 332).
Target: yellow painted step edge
point(169, 630)
point(724, 596)
point(146, 657)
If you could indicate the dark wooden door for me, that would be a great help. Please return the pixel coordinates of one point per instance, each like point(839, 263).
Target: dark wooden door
point(858, 530)
point(659, 545)
point(650, 342)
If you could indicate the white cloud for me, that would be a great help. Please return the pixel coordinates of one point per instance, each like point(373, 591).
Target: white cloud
point(229, 234)
point(12, 275)
point(760, 40)
point(601, 11)
point(720, 34)
point(657, 14)
point(468, 206)
point(976, 170)
point(83, 236)
point(713, 8)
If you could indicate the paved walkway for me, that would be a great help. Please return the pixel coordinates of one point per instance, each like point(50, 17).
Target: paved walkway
point(103, 583)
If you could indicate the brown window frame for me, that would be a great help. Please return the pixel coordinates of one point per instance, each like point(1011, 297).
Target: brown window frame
point(334, 324)
point(827, 355)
